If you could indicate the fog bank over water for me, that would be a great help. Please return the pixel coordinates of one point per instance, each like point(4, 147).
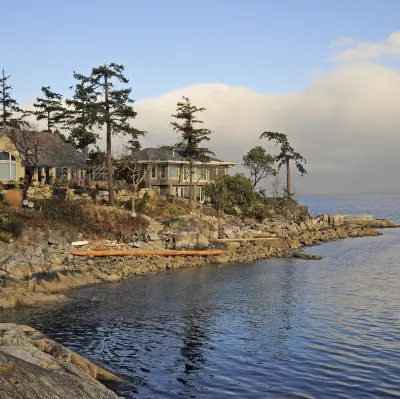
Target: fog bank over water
point(345, 123)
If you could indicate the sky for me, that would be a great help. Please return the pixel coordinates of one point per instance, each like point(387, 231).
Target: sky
point(326, 73)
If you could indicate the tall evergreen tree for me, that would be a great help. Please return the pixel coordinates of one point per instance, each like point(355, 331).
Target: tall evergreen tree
point(113, 110)
point(49, 108)
point(9, 106)
point(81, 112)
point(287, 155)
point(191, 138)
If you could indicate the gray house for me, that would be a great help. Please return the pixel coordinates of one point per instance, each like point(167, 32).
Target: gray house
point(169, 172)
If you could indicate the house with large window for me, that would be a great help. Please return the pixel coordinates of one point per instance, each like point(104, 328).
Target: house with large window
point(170, 173)
point(47, 153)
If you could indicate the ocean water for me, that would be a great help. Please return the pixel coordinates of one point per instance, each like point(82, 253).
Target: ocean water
point(279, 328)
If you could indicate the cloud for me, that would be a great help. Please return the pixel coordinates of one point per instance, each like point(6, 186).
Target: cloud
point(346, 124)
point(343, 41)
point(364, 51)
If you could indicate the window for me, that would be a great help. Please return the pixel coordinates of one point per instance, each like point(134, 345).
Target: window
point(173, 172)
point(163, 171)
point(153, 172)
point(221, 171)
point(62, 174)
point(200, 173)
point(8, 166)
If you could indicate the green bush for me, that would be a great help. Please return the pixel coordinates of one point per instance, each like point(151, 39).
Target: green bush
point(94, 194)
point(60, 193)
point(66, 211)
point(230, 210)
point(141, 204)
point(79, 191)
point(12, 225)
point(10, 186)
point(174, 210)
point(5, 239)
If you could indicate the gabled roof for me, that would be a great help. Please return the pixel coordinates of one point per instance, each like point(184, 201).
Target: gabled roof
point(52, 152)
point(170, 155)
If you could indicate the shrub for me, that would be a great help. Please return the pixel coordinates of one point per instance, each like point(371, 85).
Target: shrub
point(60, 193)
point(4, 238)
point(79, 191)
point(94, 194)
point(1, 196)
point(175, 210)
point(13, 198)
point(10, 186)
point(12, 225)
point(67, 211)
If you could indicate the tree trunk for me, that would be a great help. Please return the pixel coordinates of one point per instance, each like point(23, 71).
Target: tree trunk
point(134, 195)
point(28, 182)
point(191, 187)
point(4, 103)
point(288, 190)
point(111, 200)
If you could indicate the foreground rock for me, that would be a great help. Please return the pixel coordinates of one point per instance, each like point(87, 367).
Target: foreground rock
point(33, 366)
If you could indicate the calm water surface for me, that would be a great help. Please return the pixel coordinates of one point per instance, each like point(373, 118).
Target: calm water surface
point(271, 329)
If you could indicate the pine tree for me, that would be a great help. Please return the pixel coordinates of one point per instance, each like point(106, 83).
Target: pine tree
point(191, 138)
point(49, 108)
point(9, 106)
point(81, 113)
point(286, 155)
point(113, 110)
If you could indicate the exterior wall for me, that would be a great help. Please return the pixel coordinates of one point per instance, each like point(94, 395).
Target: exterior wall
point(7, 146)
point(169, 183)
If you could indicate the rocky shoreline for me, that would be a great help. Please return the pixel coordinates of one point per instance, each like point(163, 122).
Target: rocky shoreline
point(46, 279)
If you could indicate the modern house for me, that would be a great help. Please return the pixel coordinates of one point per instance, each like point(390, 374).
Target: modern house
point(47, 153)
point(169, 172)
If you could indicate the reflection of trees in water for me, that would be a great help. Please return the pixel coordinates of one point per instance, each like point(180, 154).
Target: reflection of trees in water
point(289, 287)
point(196, 316)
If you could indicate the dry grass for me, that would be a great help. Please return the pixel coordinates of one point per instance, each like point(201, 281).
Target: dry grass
point(6, 368)
point(13, 198)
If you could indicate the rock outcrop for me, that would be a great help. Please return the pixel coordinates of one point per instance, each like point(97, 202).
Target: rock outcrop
point(32, 275)
point(33, 366)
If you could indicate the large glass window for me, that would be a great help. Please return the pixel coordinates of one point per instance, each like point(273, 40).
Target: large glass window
point(173, 172)
point(62, 174)
point(8, 166)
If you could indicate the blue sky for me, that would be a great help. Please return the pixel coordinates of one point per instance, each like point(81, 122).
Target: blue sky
point(266, 46)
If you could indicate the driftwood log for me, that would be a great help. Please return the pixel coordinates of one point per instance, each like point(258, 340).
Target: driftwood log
point(140, 252)
point(246, 239)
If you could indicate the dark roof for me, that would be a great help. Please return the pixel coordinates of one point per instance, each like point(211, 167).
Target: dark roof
point(53, 151)
point(166, 154)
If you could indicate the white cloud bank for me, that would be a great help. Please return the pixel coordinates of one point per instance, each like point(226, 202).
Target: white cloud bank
point(346, 124)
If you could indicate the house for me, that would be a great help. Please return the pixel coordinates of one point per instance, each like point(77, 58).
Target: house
point(50, 156)
point(169, 172)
